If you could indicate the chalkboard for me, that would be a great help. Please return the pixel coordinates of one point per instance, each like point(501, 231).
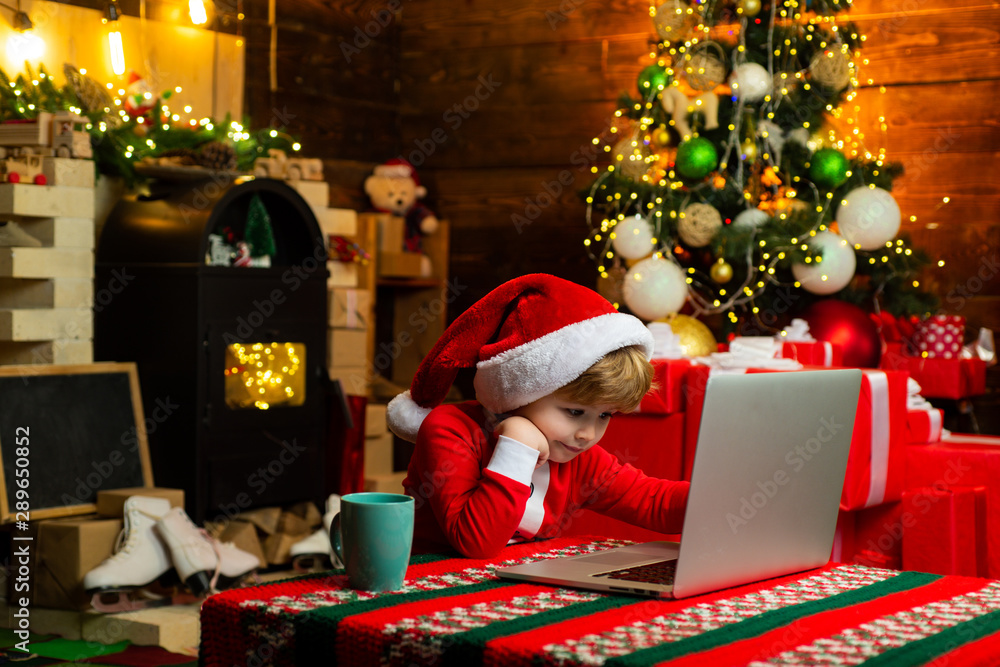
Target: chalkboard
point(67, 432)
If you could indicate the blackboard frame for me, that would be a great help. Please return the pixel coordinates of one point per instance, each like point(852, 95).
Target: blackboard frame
point(141, 449)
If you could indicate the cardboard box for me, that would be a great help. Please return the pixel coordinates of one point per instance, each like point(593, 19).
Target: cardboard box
point(355, 380)
point(67, 550)
point(349, 308)
point(375, 424)
point(111, 503)
point(378, 455)
point(391, 233)
point(345, 347)
point(342, 274)
point(400, 264)
point(385, 483)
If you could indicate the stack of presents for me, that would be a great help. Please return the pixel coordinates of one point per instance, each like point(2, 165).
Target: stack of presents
point(916, 497)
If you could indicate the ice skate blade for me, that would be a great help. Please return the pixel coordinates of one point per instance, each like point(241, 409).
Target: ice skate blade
point(116, 601)
point(308, 563)
point(200, 583)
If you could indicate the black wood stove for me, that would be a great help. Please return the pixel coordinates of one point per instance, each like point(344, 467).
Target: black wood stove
point(231, 357)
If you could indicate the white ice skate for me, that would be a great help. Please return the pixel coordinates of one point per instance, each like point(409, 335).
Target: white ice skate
point(140, 559)
point(315, 553)
point(202, 562)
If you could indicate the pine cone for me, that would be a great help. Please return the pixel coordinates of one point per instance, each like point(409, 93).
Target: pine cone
point(217, 155)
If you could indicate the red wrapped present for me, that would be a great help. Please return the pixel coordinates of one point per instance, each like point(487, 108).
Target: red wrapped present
point(948, 532)
point(668, 380)
point(814, 353)
point(878, 535)
point(843, 538)
point(940, 337)
point(939, 378)
point(962, 460)
point(652, 443)
point(875, 464)
point(924, 426)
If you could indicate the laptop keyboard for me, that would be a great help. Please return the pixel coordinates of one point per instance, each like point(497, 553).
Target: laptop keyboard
point(661, 572)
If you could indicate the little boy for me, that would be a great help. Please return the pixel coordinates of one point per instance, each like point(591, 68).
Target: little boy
point(553, 361)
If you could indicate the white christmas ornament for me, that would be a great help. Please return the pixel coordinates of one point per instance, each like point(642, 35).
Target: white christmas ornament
point(751, 82)
point(633, 238)
point(654, 288)
point(698, 224)
point(835, 270)
point(832, 68)
point(868, 217)
point(751, 217)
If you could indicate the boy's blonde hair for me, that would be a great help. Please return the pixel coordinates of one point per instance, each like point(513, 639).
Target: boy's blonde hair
point(620, 378)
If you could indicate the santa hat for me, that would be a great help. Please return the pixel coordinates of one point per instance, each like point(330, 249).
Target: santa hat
point(526, 339)
point(397, 167)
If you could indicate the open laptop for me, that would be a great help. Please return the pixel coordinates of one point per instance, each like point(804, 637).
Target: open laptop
point(765, 489)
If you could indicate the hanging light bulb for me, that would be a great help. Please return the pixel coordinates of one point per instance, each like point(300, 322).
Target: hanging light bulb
point(196, 10)
point(24, 44)
point(111, 15)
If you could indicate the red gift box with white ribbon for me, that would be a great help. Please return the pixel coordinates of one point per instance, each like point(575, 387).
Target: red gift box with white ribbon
point(946, 530)
point(924, 426)
point(940, 336)
point(814, 353)
point(876, 461)
point(666, 396)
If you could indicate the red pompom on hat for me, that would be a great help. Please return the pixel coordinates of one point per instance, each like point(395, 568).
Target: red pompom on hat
point(526, 339)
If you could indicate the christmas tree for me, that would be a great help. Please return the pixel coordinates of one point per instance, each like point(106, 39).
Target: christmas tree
point(740, 181)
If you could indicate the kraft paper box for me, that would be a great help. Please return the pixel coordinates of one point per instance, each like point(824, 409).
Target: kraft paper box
point(947, 534)
point(67, 550)
point(400, 264)
point(375, 424)
point(345, 347)
point(391, 233)
point(342, 274)
point(111, 502)
point(652, 443)
point(349, 308)
point(379, 455)
point(963, 460)
point(355, 380)
point(667, 396)
point(385, 483)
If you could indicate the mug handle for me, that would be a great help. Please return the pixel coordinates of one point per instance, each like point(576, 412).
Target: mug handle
point(335, 538)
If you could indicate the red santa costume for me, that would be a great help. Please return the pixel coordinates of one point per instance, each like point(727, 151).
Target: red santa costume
point(476, 492)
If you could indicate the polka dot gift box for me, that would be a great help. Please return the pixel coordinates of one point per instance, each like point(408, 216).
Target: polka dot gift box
point(940, 336)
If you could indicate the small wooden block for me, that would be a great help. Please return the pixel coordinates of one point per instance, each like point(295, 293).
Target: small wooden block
point(62, 232)
point(47, 352)
point(342, 274)
point(46, 201)
point(316, 193)
point(176, 628)
point(68, 171)
point(308, 512)
point(375, 424)
point(46, 262)
point(46, 324)
point(337, 222)
point(278, 546)
point(292, 524)
point(55, 293)
point(378, 455)
point(265, 518)
point(244, 535)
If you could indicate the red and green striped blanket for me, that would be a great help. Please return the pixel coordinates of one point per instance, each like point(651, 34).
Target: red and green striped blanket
point(454, 611)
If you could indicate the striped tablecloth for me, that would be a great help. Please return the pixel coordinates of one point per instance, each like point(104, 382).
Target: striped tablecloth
point(455, 611)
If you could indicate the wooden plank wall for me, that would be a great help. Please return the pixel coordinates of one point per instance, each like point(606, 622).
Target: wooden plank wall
point(518, 88)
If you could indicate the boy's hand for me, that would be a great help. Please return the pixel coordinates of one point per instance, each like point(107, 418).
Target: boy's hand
point(522, 430)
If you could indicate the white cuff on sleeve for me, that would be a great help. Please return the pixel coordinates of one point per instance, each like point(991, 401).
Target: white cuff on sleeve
point(514, 460)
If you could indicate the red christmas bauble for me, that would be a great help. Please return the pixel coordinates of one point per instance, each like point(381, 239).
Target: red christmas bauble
point(849, 326)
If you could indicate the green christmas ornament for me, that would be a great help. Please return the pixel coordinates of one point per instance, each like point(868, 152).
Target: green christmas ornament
point(652, 77)
point(696, 158)
point(828, 168)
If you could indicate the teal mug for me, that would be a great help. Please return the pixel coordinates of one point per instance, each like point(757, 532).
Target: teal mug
point(372, 536)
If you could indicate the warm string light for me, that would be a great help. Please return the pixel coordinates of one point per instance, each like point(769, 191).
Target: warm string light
point(264, 375)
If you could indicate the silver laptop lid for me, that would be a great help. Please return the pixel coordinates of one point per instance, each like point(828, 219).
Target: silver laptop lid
point(767, 476)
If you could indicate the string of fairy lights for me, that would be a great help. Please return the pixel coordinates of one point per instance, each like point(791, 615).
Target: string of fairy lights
point(665, 184)
point(264, 375)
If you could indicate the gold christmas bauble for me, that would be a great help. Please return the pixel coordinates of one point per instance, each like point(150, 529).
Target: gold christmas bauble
point(832, 68)
point(698, 224)
point(670, 19)
point(661, 137)
point(696, 339)
point(704, 71)
point(749, 7)
point(632, 157)
point(721, 272)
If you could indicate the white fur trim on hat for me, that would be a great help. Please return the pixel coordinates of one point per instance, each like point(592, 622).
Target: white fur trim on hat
point(537, 368)
point(403, 416)
point(394, 171)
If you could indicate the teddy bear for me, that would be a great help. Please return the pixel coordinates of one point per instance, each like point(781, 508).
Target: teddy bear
point(395, 188)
